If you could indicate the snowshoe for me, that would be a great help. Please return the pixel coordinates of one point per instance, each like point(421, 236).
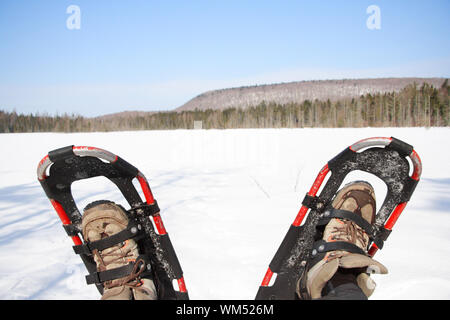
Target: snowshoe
point(385, 158)
point(56, 173)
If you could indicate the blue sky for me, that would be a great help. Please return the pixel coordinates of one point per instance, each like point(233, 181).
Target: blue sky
point(156, 55)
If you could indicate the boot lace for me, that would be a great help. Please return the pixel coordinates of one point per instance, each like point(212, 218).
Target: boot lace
point(350, 232)
point(116, 255)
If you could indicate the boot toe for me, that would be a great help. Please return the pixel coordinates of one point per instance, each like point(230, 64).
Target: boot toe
point(354, 260)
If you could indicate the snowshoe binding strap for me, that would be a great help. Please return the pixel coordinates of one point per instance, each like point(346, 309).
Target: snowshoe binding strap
point(377, 236)
point(313, 202)
point(130, 272)
point(146, 210)
point(347, 215)
point(132, 231)
point(321, 247)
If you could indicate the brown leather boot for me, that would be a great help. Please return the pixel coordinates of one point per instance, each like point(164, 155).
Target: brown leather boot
point(103, 219)
point(357, 198)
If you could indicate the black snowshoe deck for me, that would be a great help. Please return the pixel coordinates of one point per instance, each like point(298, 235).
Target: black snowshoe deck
point(385, 158)
point(69, 164)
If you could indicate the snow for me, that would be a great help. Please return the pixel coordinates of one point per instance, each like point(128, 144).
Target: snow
point(227, 198)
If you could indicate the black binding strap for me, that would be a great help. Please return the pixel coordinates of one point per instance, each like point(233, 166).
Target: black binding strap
point(381, 237)
point(348, 215)
point(146, 209)
point(314, 203)
point(133, 230)
point(377, 236)
point(120, 272)
point(100, 277)
point(323, 246)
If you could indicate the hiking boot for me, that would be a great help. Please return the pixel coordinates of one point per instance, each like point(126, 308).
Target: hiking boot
point(103, 219)
point(340, 266)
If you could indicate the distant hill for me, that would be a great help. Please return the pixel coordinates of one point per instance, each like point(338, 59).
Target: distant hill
point(300, 91)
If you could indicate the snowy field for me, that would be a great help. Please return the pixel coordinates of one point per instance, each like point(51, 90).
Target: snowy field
point(227, 198)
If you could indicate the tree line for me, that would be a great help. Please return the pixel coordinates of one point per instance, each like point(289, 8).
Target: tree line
point(414, 106)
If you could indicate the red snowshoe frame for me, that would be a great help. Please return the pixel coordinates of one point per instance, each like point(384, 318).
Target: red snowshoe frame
point(388, 163)
point(69, 164)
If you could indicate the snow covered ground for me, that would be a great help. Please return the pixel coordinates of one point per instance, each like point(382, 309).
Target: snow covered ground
point(227, 198)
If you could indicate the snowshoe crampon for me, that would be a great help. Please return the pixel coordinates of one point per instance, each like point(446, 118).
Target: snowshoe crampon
point(386, 158)
point(56, 173)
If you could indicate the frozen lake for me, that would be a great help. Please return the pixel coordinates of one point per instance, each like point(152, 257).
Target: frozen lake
point(227, 198)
